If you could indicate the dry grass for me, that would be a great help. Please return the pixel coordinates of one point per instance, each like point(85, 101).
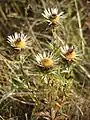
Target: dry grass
point(28, 92)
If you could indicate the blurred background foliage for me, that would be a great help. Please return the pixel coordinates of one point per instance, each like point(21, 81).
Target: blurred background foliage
point(29, 93)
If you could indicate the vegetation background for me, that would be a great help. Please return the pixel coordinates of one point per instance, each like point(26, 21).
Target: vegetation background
point(24, 91)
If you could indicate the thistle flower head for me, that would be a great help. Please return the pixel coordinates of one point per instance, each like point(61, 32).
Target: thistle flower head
point(44, 60)
point(69, 52)
point(18, 40)
point(52, 16)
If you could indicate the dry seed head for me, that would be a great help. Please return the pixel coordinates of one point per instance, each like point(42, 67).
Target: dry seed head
point(18, 40)
point(52, 16)
point(69, 52)
point(44, 60)
point(47, 62)
point(70, 56)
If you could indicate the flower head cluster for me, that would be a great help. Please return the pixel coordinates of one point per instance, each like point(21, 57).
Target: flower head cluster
point(69, 52)
point(52, 16)
point(18, 40)
point(44, 60)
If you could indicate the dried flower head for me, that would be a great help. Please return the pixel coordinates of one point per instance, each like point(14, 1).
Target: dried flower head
point(69, 52)
point(44, 60)
point(18, 40)
point(52, 16)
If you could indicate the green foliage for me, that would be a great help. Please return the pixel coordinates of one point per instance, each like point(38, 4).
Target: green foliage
point(30, 90)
